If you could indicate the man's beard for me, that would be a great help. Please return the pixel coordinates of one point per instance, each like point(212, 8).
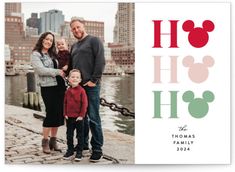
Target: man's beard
point(79, 38)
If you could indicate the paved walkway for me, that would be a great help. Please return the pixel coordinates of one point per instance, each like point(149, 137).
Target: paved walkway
point(23, 142)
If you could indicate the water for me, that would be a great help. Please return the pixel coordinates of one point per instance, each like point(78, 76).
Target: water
point(115, 89)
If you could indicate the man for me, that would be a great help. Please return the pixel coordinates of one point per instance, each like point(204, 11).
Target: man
point(87, 55)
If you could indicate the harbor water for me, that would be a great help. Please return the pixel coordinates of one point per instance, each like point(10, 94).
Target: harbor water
point(115, 89)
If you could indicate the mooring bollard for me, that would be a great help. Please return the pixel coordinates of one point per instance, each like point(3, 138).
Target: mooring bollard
point(31, 97)
point(31, 101)
point(25, 100)
point(36, 101)
point(31, 85)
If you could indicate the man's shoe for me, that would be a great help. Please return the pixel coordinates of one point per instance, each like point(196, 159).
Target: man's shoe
point(96, 156)
point(78, 157)
point(68, 155)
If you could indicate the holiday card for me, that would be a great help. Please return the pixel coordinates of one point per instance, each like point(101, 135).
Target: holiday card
point(162, 97)
point(182, 83)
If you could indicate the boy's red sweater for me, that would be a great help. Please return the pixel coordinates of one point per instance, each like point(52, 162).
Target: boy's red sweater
point(75, 102)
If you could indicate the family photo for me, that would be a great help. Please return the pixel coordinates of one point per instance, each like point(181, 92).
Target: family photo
point(69, 83)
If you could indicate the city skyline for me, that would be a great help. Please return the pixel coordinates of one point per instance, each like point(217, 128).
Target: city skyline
point(89, 11)
point(121, 50)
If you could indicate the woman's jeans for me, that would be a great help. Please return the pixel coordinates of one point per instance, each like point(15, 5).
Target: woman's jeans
point(92, 120)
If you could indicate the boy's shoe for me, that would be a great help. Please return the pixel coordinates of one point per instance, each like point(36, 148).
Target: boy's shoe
point(68, 155)
point(78, 157)
point(96, 156)
point(86, 150)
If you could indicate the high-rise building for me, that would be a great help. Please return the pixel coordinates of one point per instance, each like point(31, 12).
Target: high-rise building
point(95, 28)
point(124, 57)
point(20, 45)
point(33, 22)
point(14, 29)
point(123, 50)
point(51, 21)
point(29, 31)
point(65, 30)
point(12, 8)
point(124, 30)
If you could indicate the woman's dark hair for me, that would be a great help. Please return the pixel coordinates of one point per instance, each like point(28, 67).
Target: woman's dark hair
point(38, 47)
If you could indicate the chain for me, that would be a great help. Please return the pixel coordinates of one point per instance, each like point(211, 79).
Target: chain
point(114, 107)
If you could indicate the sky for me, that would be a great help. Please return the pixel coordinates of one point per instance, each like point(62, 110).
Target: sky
point(89, 11)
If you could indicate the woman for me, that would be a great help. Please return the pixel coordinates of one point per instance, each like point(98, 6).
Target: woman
point(52, 88)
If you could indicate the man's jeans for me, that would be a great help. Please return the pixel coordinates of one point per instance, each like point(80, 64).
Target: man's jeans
point(93, 120)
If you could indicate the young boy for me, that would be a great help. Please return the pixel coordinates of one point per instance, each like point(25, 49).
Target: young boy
point(75, 107)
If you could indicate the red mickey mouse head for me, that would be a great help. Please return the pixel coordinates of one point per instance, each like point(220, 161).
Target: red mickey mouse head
point(198, 37)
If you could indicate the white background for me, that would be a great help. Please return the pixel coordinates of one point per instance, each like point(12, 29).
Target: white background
point(192, 168)
point(211, 132)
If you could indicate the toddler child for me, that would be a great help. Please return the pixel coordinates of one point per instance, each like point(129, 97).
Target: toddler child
point(63, 55)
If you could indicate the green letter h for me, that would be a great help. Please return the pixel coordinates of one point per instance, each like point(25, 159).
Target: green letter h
point(157, 104)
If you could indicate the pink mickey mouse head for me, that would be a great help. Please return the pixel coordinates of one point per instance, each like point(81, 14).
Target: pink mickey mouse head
point(198, 37)
point(198, 72)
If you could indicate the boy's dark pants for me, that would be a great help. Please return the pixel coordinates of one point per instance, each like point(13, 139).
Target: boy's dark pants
point(71, 125)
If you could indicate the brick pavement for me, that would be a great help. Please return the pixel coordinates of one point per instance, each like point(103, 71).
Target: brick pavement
point(22, 146)
point(23, 142)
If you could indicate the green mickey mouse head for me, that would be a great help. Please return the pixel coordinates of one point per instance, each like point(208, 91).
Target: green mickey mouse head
point(198, 107)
